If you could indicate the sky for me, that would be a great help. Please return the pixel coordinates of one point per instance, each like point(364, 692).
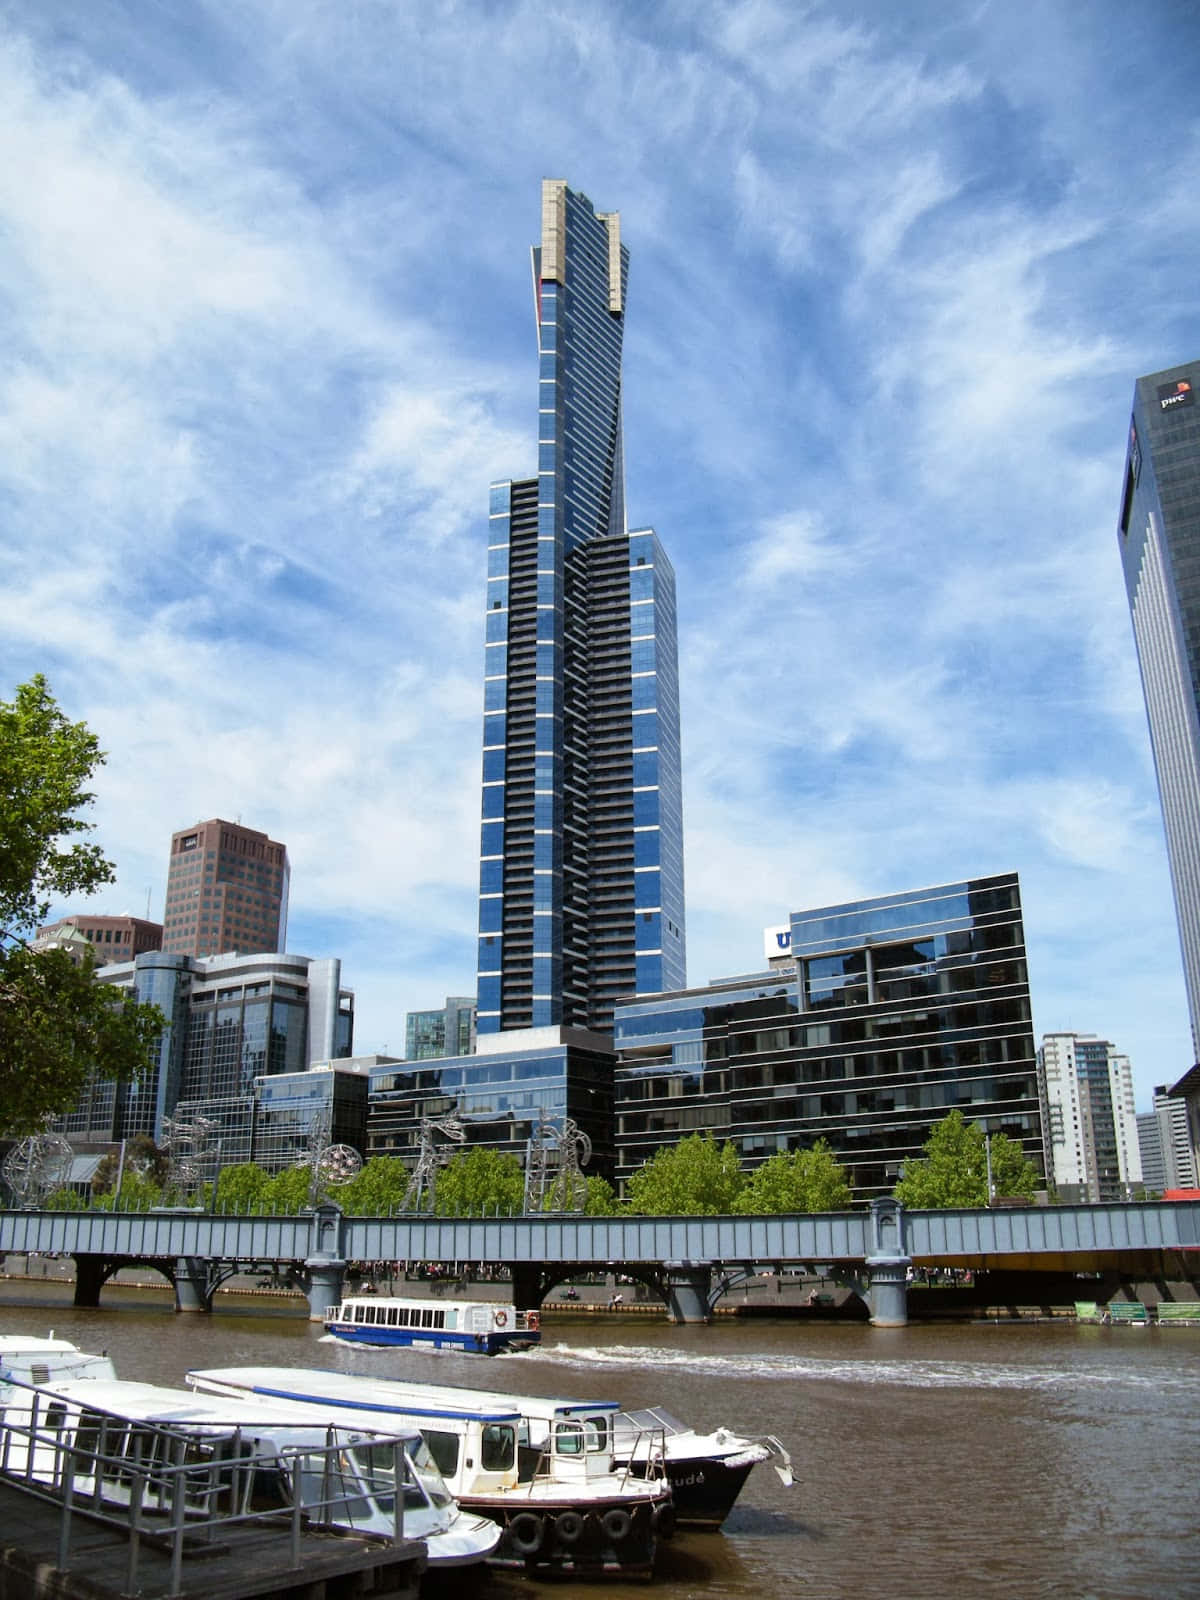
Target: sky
point(266, 337)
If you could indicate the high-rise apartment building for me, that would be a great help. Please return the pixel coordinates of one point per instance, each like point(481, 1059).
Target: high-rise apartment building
point(1160, 550)
point(227, 891)
point(581, 856)
point(449, 1031)
point(888, 1014)
point(1092, 1146)
point(1168, 1160)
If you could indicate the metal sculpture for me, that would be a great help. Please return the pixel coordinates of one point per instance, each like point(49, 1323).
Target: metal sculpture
point(190, 1146)
point(329, 1165)
point(37, 1166)
point(556, 1153)
point(422, 1186)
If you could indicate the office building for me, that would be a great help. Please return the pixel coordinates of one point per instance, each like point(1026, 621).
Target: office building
point(1168, 1160)
point(581, 853)
point(227, 891)
point(449, 1031)
point(230, 1020)
point(1089, 1117)
point(110, 939)
point(890, 1013)
point(1160, 550)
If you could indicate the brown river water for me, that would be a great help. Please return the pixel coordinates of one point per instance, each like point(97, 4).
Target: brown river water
point(1017, 1459)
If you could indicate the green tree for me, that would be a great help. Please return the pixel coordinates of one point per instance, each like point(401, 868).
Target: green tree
point(694, 1178)
point(805, 1180)
point(954, 1170)
point(378, 1189)
point(286, 1194)
point(57, 1026)
point(601, 1199)
point(479, 1182)
point(240, 1188)
point(142, 1156)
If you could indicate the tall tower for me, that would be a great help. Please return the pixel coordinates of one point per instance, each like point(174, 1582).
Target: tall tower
point(581, 852)
point(227, 891)
point(1160, 549)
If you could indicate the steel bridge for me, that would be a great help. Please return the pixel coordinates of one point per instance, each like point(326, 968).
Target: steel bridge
point(689, 1261)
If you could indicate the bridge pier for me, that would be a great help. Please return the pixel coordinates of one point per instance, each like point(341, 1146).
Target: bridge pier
point(325, 1266)
point(90, 1275)
point(887, 1265)
point(688, 1285)
point(192, 1291)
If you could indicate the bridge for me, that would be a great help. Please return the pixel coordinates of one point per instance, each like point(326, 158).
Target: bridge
point(689, 1261)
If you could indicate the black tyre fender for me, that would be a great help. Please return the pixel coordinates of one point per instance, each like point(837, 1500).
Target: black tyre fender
point(568, 1527)
point(664, 1520)
point(525, 1533)
point(616, 1523)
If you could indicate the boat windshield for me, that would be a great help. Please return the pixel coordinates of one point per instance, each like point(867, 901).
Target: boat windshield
point(654, 1417)
point(586, 1436)
point(377, 1464)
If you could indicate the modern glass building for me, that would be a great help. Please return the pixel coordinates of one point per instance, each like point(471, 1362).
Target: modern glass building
point(893, 1012)
point(581, 853)
point(449, 1031)
point(1160, 551)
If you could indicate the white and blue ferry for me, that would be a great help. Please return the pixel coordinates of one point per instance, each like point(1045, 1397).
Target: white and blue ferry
point(481, 1327)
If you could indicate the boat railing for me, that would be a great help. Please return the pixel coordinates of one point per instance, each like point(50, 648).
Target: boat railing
point(649, 1448)
point(180, 1485)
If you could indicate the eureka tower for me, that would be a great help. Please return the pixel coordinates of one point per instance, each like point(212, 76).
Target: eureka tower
point(581, 853)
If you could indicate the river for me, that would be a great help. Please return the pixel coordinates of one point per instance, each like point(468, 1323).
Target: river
point(1016, 1459)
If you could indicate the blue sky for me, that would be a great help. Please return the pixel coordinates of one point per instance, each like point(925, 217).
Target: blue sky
point(267, 337)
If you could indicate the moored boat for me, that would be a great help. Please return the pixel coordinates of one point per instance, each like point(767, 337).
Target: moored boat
point(376, 1482)
point(706, 1471)
point(546, 1476)
point(480, 1327)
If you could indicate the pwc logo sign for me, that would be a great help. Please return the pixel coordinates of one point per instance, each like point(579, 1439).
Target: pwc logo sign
point(1171, 395)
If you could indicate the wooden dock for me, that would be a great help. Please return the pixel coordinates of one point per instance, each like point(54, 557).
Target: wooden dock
point(246, 1561)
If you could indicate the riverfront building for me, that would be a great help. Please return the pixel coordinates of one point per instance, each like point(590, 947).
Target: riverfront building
point(581, 852)
point(1160, 550)
point(109, 938)
point(227, 890)
point(1168, 1161)
point(1090, 1119)
point(230, 1020)
point(879, 1018)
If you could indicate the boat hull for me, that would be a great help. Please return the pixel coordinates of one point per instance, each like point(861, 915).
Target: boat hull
point(587, 1540)
point(703, 1489)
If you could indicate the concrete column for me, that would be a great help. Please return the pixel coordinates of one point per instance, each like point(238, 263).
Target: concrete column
point(324, 1291)
point(688, 1284)
point(887, 1295)
point(191, 1284)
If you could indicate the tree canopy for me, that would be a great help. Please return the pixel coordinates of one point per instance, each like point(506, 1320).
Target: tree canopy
point(804, 1180)
point(954, 1170)
point(480, 1182)
point(57, 1026)
point(694, 1178)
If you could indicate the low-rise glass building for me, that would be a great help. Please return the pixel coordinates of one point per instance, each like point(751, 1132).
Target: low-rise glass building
point(887, 1014)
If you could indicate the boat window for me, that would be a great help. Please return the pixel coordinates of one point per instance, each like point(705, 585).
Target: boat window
point(596, 1429)
point(443, 1447)
point(568, 1439)
point(393, 1317)
point(498, 1451)
point(431, 1479)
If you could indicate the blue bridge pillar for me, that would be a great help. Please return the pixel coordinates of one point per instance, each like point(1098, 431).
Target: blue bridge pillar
point(688, 1285)
point(887, 1265)
point(325, 1265)
point(192, 1286)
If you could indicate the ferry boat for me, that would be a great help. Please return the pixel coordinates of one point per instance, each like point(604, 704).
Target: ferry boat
point(480, 1327)
point(547, 1477)
point(345, 1476)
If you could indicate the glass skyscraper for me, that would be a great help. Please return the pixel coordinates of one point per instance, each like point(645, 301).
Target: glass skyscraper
point(581, 854)
point(1160, 550)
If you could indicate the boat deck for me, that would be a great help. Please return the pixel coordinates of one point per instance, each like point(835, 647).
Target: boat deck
point(246, 1561)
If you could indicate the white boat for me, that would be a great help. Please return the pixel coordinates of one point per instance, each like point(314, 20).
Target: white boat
point(480, 1327)
point(706, 1471)
point(32, 1360)
point(543, 1470)
point(343, 1476)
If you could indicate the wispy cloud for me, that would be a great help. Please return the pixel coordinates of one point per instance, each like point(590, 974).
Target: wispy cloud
point(266, 313)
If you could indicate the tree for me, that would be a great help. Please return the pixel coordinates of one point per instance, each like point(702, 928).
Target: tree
point(480, 1182)
point(240, 1188)
point(805, 1180)
point(57, 1026)
point(695, 1178)
point(377, 1191)
point(954, 1171)
point(601, 1199)
point(142, 1156)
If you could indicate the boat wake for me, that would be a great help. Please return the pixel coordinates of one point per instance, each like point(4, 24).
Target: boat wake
point(917, 1374)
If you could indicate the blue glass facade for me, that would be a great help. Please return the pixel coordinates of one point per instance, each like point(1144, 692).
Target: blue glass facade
point(896, 1011)
point(1160, 551)
point(581, 845)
